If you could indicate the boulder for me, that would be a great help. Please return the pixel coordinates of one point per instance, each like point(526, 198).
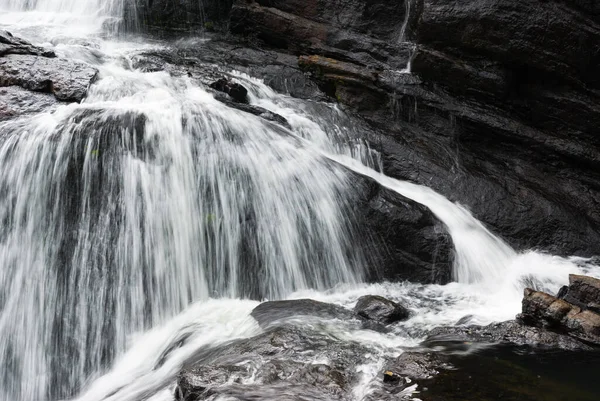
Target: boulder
point(39, 70)
point(236, 91)
point(380, 309)
point(269, 313)
point(10, 44)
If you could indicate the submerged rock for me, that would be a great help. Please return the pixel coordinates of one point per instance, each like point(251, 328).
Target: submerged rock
point(380, 309)
point(285, 363)
point(274, 311)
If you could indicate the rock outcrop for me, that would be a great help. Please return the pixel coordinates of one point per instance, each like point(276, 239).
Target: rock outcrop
point(39, 70)
point(501, 119)
point(569, 321)
point(577, 317)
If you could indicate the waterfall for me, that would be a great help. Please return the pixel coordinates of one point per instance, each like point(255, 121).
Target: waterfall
point(120, 212)
point(145, 223)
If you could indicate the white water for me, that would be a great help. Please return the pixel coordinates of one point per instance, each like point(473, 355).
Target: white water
point(196, 201)
point(402, 39)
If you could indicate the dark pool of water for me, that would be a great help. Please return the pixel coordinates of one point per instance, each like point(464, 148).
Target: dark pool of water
point(517, 374)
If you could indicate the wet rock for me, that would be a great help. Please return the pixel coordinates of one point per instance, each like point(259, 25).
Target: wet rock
point(402, 239)
point(285, 363)
point(583, 291)
point(16, 101)
point(359, 32)
point(236, 91)
point(256, 110)
point(10, 44)
point(544, 310)
point(35, 69)
point(380, 309)
point(466, 337)
point(170, 16)
point(270, 312)
point(67, 80)
point(502, 118)
point(419, 365)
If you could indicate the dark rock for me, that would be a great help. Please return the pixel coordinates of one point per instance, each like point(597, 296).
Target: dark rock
point(235, 90)
point(380, 309)
point(256, 110)
point(403, 239)
point(274, 311)
point(498, 114)
point(513, 332)
point(282, 360)
point(163, 16)
point(583, 291)
point(345, 32)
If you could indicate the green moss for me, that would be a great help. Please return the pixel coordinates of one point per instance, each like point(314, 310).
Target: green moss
point(209, 26)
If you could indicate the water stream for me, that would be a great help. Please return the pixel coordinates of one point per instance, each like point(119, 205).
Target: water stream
point(153, 212)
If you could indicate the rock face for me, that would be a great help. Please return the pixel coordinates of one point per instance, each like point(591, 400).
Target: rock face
point(177, 15)
point(380, 309)
point(544, 310)
point(39, 70)
point(501, 111)
point(403, 239)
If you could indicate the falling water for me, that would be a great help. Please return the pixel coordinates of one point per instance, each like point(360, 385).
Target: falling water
point(124, 215)
point(402, 38)
point(151, 195)
point(79, 7)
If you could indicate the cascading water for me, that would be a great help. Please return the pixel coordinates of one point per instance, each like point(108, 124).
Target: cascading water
point(402, 37)
point(123, 216)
